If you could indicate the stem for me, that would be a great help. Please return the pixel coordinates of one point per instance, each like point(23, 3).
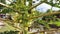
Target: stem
point(25, 30)
point(47, 14)
point(30, 4)
point(8, 7)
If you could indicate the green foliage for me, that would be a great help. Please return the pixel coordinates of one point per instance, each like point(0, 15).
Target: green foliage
point(9, 32)
point(20, 14)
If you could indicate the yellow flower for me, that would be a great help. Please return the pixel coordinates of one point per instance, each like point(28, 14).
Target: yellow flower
point(20, 20)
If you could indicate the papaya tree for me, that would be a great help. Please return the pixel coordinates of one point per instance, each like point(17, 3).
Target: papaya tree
point(23, 16)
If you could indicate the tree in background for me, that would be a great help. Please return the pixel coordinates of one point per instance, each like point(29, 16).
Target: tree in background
point(23, 16)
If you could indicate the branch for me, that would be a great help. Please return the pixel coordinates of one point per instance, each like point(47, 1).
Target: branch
point(35, 6)
point(8, 7)
point(52, 29)
point(46, 14)
point(4, 20)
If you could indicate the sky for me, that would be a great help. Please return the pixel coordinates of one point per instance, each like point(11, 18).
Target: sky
point(44, 7)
